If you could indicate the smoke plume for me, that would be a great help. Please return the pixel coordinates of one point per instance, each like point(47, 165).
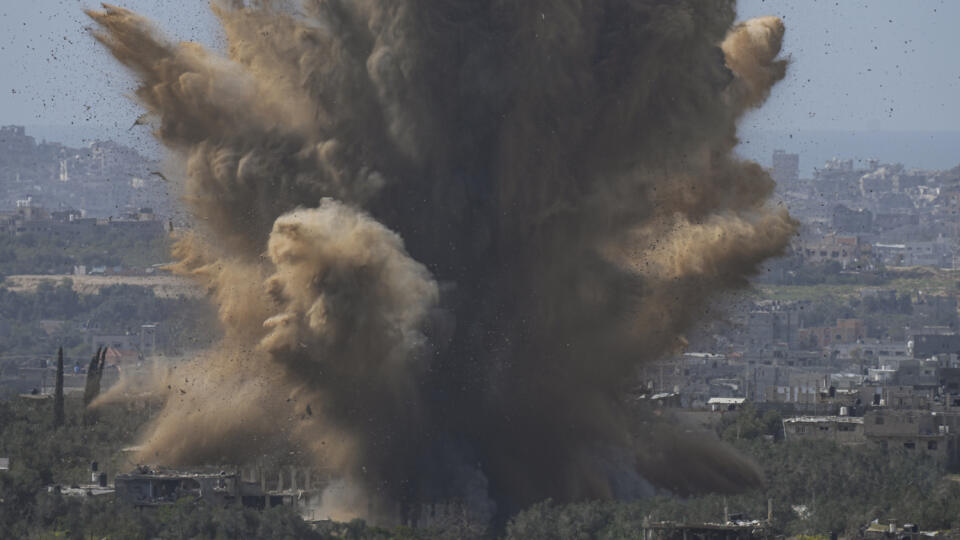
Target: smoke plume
point(443, 234)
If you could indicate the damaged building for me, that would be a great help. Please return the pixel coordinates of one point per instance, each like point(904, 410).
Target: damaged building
point(146, 487)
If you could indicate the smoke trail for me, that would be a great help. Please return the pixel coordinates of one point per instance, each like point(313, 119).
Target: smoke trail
point(442, 234)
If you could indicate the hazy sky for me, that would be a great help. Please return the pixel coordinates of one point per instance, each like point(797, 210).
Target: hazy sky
point(857, 65)
point(865, 65)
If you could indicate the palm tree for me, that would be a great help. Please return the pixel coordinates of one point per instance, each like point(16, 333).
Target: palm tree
point(58, 392)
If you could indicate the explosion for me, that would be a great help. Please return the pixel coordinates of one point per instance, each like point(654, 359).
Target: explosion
point(443, 234)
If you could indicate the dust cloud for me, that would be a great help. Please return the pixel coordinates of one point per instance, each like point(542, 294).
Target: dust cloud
point(443, 234)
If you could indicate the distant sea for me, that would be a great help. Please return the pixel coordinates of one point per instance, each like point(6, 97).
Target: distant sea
point(915, 149)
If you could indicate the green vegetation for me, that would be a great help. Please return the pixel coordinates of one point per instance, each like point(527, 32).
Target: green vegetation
point(32, 254)
point(883, 317)
point(188, 322)
point(60, 517)
point(929, 280)
point(42, 454)
point(815, 487)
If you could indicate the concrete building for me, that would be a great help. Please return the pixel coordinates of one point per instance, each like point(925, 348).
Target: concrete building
point(916, 253)
point(929, 345)
point(786, 167)
point(912, 431)
point(802, 388)
point(917, 373)
point(722, 404)
point(936, 309)
point(896, 397)
point(888, 222)
point(291, 486)
point(845, 331)
point(145, 487)
point(846, 250)
point(840, 429)
point(846, 220)
point(769, 326)
point(124, 342)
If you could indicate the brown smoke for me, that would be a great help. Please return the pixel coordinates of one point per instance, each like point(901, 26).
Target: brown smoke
point(442, 234)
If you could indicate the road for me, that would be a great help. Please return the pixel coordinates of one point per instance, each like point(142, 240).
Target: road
point(164, 286)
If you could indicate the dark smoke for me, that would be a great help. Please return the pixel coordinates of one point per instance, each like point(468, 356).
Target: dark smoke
point(452, 229)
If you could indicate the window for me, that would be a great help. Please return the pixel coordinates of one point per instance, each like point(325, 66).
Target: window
point(931, 445)
point(910, 445)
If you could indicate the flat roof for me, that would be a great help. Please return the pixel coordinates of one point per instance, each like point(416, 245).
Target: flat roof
point(726, 400)
point(823, 419)
point(173, 475)
point(88, 491)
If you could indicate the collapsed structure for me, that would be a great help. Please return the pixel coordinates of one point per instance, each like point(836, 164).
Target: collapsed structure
point(443, 234)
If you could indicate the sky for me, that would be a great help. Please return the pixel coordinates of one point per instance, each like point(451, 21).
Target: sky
point(858, 68)
point(55, 75)
point(857, 65)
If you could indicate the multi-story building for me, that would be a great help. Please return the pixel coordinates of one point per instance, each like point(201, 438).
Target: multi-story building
point(850, 221)
point(849, 251)
point(840, 429)
point(913, 431)
point(845, 331)
point(786, 167)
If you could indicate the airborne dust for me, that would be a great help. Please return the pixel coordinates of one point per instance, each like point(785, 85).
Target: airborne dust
point(443, 234)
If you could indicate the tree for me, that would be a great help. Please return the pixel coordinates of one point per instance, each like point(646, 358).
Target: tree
point(89, 389)
point(92, 386)
point(103, 358)
point(58, 392)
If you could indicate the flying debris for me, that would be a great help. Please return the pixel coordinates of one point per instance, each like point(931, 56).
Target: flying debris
point(456, 228)
point(141, 120)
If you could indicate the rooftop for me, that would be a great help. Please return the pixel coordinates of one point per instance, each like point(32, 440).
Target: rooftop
point(824, 419)
point(148, 473)
point(726, 401)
